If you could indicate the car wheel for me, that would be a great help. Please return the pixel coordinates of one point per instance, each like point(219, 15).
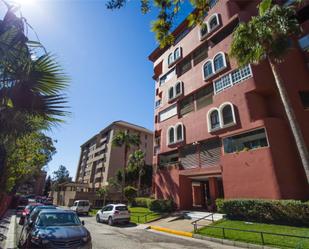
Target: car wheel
point(110, 221)
point(98, 218)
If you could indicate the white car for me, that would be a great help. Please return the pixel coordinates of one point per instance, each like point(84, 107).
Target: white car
point(81, 207)
point(113, 213)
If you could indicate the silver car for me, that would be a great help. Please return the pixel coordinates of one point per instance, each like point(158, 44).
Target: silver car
point(113, 213)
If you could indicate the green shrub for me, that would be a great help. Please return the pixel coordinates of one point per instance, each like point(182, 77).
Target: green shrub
point(130, 193)
point(142, 202)
point(287, 212)
point(156, 205)
point(161, 205)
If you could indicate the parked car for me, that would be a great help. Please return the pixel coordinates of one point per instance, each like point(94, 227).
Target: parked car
point(113, 213)
point(56, 229)
point(26, 212)
point(81, 207)
point(19, 210)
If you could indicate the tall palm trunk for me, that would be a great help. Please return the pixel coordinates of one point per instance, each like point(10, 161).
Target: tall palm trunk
point(298, 136)
point(124, 172)
point(139, 180)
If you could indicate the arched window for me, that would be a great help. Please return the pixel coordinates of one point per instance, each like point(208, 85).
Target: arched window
point(177, 53)
point(179, 132)
point(171, 93)
point(227, 112)
point(170, 58)
point(203, 30)
point(214, 119)
point(213, 22)
point(207, 69)
point(219, 62)
point(178, 89)
point(171, 135)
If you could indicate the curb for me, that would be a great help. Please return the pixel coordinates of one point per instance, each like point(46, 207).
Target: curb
point(167, 230)
point(231, 242)
point(11, 235)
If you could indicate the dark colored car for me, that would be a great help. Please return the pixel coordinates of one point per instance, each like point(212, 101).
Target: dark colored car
point(26, 212)
point(35, 212)
point(56, 229)
point(19, 210)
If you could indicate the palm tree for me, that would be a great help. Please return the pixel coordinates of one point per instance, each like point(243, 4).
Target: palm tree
point(126, 140)
point(31, 86)
point(102, 193)
point(268, 37)
point(137, 159)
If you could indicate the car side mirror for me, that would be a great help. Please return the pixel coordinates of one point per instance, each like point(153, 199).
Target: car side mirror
point(83, 223)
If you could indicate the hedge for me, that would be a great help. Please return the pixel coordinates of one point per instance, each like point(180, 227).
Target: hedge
point(156, 205)
point(285, 212)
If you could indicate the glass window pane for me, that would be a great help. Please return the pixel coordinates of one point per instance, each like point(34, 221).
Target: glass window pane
point(218, 62)
point(247, 141)
point(186, 105)
point(227, 114)
point(214, 120)
point(213, 23)
point(171, 93)
point(171, 135)
point(179, 132)
point(208, 69)
point(178, 88)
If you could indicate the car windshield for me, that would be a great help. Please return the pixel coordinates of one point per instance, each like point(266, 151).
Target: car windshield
point(35, 212)
point(58, 219)
point(122, 208)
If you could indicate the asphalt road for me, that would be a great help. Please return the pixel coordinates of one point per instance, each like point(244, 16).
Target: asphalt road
point(136, 237)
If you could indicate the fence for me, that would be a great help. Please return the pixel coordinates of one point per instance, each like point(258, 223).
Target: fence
point(143, 218)
point(261, 233)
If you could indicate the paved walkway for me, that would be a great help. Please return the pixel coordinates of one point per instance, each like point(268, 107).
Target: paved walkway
point(4, 226)
point(184, 221)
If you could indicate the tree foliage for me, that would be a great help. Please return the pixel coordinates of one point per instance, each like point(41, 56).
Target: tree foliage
point(32, 99)
point(267, 35)
point(167, 14)
point(61, 175)
point(30, 154)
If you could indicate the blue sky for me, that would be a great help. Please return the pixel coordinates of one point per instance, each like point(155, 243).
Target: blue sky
point(105, 54)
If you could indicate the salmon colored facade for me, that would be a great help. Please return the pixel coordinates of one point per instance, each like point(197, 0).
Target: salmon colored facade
point(221, 131)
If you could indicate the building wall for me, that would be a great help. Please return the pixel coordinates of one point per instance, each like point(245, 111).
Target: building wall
point(273, 172)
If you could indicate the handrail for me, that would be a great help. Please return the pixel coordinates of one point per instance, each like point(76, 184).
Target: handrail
point(254, 231)
point(194, 223)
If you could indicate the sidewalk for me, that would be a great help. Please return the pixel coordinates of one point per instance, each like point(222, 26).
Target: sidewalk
point(7, 230)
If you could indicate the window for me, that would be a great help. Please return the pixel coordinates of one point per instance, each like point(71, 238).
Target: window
point(175, 91)
point(174, 56)
point(209, 26)
point(304, 97)
point(222, 117)
point(177, 54)
point(219, 62)
point(232, 78)
point(168, 113)
point(204, 97)
point(167, 77)
point(171, 135)
point(214, 120)
point(200, 54)
point(227, 115)
point(203, 30)
point(158, 103)
point(171, 93)
point(207, 69)
point(246, 141)
point(213, 22)
point(175, 134)
point(186, 105)
point(304, 43)
point(179, 132)
point(178, 89)
point(170, 58)
point(184, 66)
